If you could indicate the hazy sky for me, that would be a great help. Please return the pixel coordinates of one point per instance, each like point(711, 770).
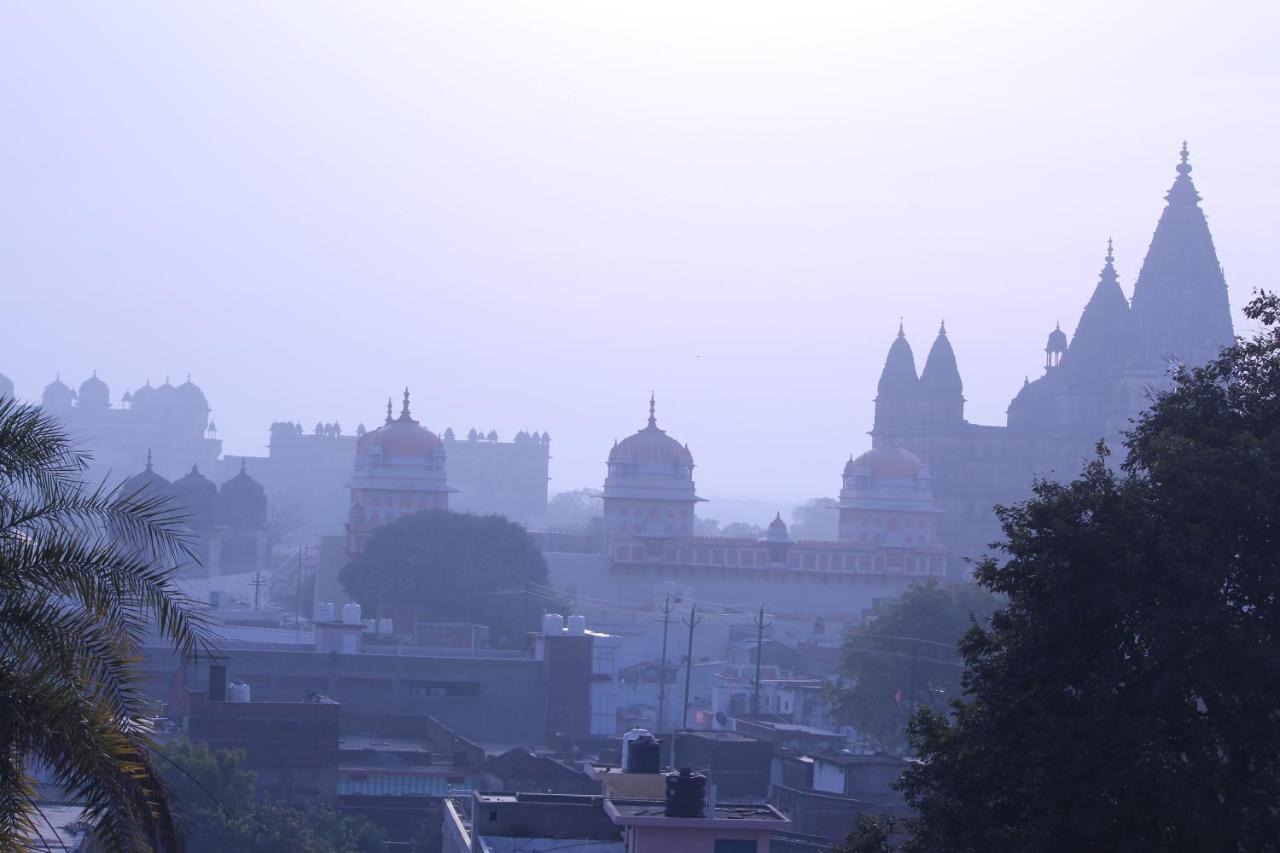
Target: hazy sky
point(533, 214)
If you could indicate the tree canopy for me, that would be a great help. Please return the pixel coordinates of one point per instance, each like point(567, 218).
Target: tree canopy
point(906, 656)
point(215, 799)
point(457, 567)
point(1126, 697)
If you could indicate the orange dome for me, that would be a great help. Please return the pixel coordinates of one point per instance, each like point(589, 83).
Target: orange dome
point(403, 437)
point(894, 462)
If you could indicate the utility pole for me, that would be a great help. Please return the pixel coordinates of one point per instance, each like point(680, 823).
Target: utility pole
point(662, 673)
point(257, 582)
point(692, 622)
point(759, 654)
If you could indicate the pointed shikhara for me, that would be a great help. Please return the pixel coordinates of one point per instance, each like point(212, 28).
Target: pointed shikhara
point(85, 575)
point(1180, 309)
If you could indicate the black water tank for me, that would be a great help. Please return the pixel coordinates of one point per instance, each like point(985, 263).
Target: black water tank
point(644, 755)
point(686, 794)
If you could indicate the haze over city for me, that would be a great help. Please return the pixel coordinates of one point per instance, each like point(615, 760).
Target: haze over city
point(535, 216)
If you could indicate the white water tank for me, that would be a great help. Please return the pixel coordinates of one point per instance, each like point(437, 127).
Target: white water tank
point(552, 624)
point(351, 613)
point(324, 611)
point(577, 625)
point(384, 626)
point(238, 691)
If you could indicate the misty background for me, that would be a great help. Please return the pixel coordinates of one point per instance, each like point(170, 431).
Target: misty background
point(535, 215)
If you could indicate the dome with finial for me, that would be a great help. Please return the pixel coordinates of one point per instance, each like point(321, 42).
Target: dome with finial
point(243, 501)
point(146, 484)
point(94, 394)
point(651, 446)
point(400, 438)
point(777, 531)
point(886, 477)
point(142, 397)
point(1057, 343)
point(197, 496)
point(57, 397)
point(192, 397)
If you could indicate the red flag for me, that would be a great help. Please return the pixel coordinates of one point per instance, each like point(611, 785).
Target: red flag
point(897, 695)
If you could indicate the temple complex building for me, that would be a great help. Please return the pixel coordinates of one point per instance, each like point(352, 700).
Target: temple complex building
point(1092, 385)
point(225, 525)
point(399, 470)
point(888, 538)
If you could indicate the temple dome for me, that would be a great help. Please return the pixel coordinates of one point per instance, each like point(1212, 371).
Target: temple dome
point(146, 484)
point(402, 437)
point(197, 495)
point(243, 501)
point(192, 397)
point(94, 393)
point(651, 446)
point(777, 531)
point(1057, 342)
point(57, 396)
point(885, 463)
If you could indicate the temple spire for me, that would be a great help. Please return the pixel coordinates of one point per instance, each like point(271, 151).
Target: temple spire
point(1180, 310)
point(404, 410)
point(1097, 348)
point(148, 459)
point(388, 410)
point(653, 420)
point(940, 379)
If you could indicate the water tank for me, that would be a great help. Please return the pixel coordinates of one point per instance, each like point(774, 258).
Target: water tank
point(642, 754)
point(552, 624)
point(686, 794)
point(324, 611)
point(384, 626)
point(351, 613)
point(237, 692)
point(577, 625)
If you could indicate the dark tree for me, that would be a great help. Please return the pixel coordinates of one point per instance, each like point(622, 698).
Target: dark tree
point(458, 568)
point(217, 810)
point(1126, 698)
point(905, 655)
point(871, 834)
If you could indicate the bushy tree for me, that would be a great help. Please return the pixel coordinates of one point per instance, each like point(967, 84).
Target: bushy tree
point(906, 655)
point(1126, 697)
point(815, 520)
point(871, 834)
point(573, 511)
point(457, 567)
point(215, 800)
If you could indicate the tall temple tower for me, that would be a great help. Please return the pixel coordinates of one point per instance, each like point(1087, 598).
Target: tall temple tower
point(1180, 311)
point(941, 391)
point(649, 491)
point(1091, 387)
